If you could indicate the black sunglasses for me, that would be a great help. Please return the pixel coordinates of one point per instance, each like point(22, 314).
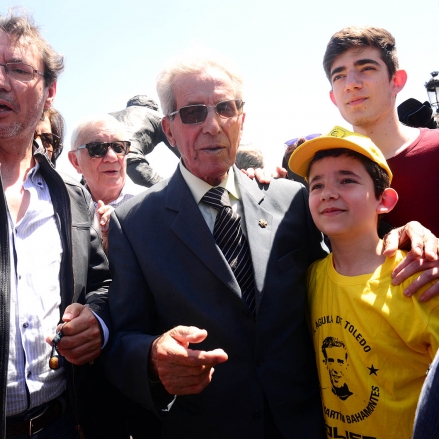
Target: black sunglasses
point(197, 113)
point(99, 149)
point(51, 142)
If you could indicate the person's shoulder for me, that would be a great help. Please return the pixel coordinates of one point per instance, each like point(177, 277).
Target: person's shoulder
point(82, 206)
point(285, 190)
point(74, 185)
point(68, 179)
point(428, 138)
point(432, 303)
point(276, 185)
point(317, 276)
point(147, 199)
point(320, 265)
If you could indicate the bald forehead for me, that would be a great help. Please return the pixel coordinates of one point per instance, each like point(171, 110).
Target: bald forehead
point(99, 132)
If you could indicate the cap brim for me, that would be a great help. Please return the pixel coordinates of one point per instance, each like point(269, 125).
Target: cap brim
point(301, 158)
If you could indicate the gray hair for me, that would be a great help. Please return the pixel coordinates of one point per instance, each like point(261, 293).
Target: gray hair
point(20, 27)
point(104, 122)
point(194, 60)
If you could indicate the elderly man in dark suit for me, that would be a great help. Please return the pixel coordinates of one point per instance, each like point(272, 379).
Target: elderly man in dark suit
point(169, 270)
point(209, 275)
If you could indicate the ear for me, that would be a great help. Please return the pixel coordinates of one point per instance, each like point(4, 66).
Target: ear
point(388, 200)
point(74, 161)
point(242, 126)
point(166, 126)
point(399, 79)
point(331, 95)
point(51, 92)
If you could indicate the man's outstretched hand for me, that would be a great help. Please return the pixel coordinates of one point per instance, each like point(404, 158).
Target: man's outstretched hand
point(182, 370)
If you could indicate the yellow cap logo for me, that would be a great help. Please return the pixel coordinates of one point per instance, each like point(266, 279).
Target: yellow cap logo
point(338, 132)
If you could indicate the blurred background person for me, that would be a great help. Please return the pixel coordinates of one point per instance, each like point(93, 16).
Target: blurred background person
point(290, 146)
point(99, 152)
point(50, 130)
point(99, 149)
point(416, 114)
point(143, 123)
point(249, 157)
point(426, 420)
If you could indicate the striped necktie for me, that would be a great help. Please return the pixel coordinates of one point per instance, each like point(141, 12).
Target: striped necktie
point(232, 242)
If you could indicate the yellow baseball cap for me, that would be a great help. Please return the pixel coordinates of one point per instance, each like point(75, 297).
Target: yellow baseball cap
point(337, 138)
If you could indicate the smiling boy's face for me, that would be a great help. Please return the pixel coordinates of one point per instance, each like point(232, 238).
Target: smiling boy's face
point(342, 197)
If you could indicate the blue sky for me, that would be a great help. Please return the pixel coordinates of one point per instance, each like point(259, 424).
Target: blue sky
point(114, 50)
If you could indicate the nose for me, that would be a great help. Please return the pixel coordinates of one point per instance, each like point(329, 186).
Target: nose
point(353, 80)
point(4, 79)
point(212, 124)
point(110, 156)
point(328, 193)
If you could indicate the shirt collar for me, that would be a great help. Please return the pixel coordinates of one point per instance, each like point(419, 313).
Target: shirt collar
point(33, 177)
point(199, 187)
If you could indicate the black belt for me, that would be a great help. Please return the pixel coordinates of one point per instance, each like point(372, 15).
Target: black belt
point(33, 422)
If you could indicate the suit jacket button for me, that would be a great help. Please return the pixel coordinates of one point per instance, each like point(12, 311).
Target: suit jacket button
point(260, 361)
point(245, 312)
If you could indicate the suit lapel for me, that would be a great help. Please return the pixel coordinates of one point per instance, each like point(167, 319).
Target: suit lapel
point(190, 226)
point(259, 227)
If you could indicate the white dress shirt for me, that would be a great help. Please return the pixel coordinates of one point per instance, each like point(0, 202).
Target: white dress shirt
point(35, 255)
point(199, 188)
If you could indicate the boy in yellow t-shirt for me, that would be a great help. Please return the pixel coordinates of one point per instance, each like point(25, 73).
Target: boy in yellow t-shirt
point(373, 345)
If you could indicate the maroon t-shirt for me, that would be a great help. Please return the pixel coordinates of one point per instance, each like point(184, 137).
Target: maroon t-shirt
point(416, 179)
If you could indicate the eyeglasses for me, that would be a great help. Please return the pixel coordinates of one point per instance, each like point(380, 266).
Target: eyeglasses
point(20, 71)
point(197, 113)
point(51, 142)
point(97, 150)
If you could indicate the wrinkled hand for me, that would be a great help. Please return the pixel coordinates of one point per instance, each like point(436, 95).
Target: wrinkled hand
point(423, 243)
point(82, 338)
point(414, 264)
point(181, 370)
point(104, 212)
point(422, 258)
point(265, 176)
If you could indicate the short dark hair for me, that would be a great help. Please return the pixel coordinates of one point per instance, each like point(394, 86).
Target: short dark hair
point(379, 176)
point(333, 342)
point(361, 37)
point(20, 26)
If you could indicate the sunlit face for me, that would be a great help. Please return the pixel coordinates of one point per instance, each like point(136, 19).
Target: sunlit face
point(208, 149)
point(21, 103)
point(342, 197)
point(337, 365)
point(105, 176)
point(361, 87)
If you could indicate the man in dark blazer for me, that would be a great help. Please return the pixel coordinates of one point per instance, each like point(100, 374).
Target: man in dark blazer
point(177, 308)
point(178, 311)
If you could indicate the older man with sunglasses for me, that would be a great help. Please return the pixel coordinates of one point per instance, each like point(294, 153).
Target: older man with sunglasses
point(98, 152)
point(241, 301)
